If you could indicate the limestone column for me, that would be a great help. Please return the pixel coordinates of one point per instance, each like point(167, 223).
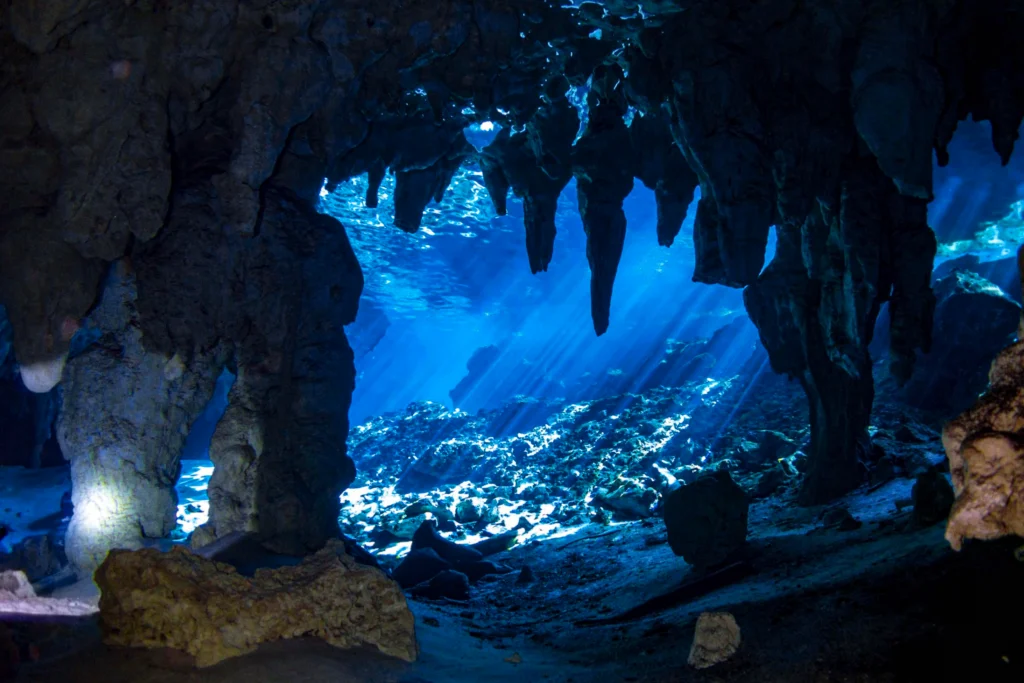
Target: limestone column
point(279, 452)
point(124, 418)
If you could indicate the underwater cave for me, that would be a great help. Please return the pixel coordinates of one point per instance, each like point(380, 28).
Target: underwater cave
point(448, 341)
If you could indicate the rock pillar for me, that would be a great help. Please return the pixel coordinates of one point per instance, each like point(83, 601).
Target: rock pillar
point(124, 418)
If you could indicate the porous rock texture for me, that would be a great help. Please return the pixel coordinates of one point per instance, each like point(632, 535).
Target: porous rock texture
point(125, 414)
point(200, 134)
point(180, 600)
point(715, 640)
point(985, 447)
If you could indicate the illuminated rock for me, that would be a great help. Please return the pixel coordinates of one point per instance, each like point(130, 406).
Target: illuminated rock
point(985, 447)
point(15, 584)
point(41, 377)
point(125, 414)
point(717, 638)
point(180, 600)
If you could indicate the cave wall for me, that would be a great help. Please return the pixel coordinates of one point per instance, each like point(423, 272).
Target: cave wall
point(27, 419)
point(200, 134)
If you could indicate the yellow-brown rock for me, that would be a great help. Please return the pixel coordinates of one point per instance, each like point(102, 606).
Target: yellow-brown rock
point(985, 447)
point(183, 601)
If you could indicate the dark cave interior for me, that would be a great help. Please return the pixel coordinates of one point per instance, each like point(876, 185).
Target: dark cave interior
point(283, 397)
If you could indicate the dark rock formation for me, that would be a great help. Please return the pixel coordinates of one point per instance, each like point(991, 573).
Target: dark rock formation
point(419, 566)
point(932, 497)
point(536, 165)
point(974, 320)
point(602, 184)
point(476, 369)
point(661, 167)
point(707, 520)
point(279, 450)
point(38, 557)
point(454, 553)
point(448, 584)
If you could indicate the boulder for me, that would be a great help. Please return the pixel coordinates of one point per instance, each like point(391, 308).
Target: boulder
point(449, 584)
point(496, 544)
point(183, 601)
point(421, 564)
point(841, 519)
point(717, 638)
point(426, 536)
point(985, 448)
point(16, 584)
point(38, 556)
point(467, 512)
point(707, 520)
point(770, 481)
point(933, 497)
point(974, 319)
point(627, 500)
point(478, 570)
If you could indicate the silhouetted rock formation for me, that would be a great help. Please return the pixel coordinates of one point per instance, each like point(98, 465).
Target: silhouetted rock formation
point(476, 370)
point(974, 321)
point(277, 318)
point(707, 520)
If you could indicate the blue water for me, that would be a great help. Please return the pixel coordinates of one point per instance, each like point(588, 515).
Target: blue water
point(462, 285)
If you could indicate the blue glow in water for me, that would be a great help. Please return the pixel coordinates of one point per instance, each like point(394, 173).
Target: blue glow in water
point(461, 288)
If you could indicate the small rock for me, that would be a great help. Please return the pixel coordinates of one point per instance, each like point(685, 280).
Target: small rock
point(770, 481)
point(905, 434)
point(16, 584)
point(478, 570)
point(448, 584)
point(427, 537)
point(496, 544)
point(419, 566)
point(932, 497)
point(431, 621)
point(525, 575)
point(716, 639)
point(841, 519)
point(467, 513)
point(628, 502)
point(882, 471)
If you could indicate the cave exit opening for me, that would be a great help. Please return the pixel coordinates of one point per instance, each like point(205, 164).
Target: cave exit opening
point(196, 466)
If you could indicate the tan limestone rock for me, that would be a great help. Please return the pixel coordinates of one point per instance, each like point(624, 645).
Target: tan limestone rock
point(716, 639)
point(183, 601)
point(985, 448)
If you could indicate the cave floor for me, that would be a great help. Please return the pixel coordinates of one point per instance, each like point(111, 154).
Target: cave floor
point(885, 602)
